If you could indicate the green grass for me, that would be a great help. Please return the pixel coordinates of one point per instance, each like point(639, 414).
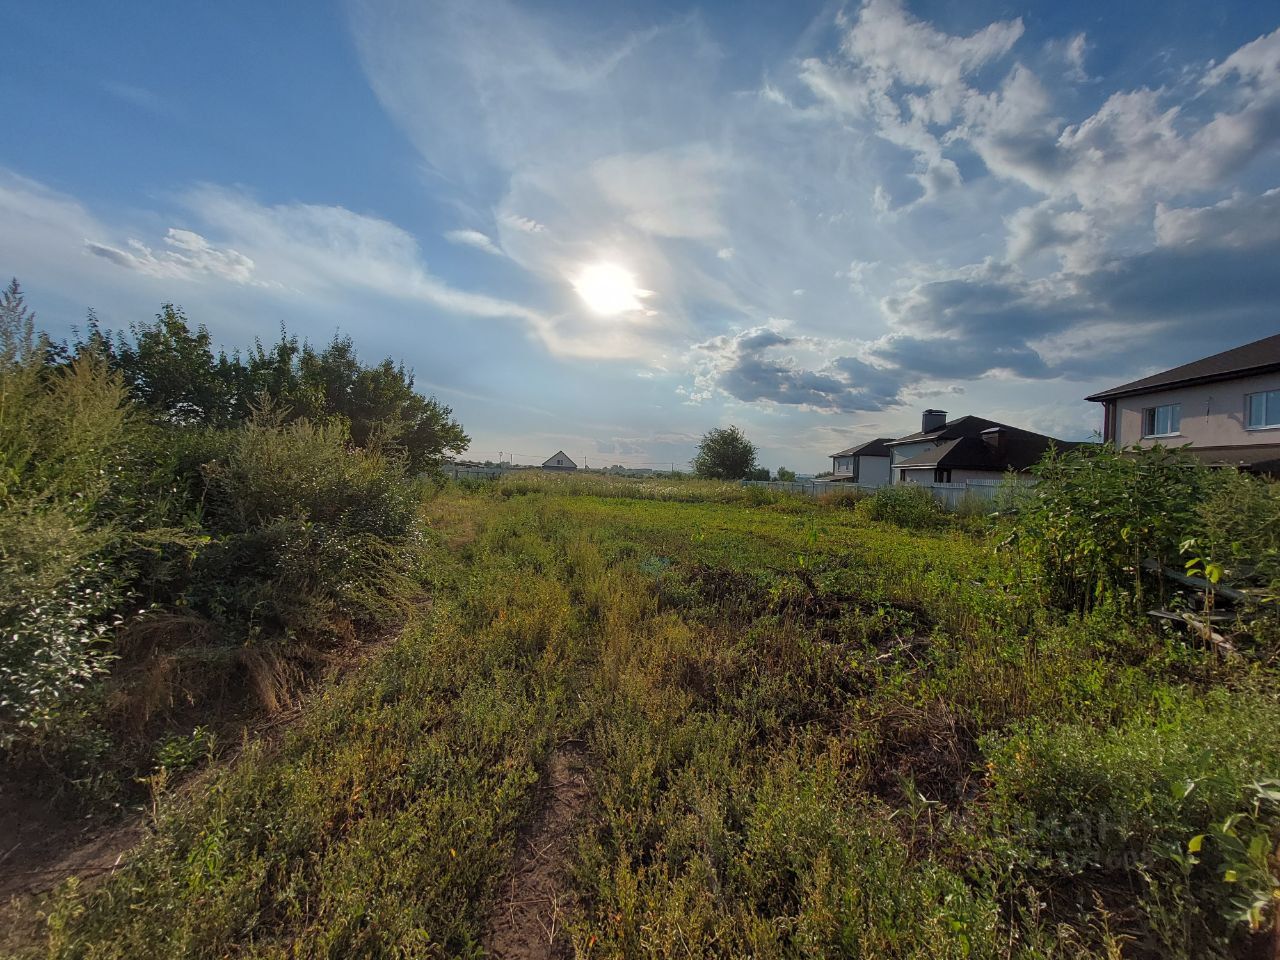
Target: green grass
point(809, 735)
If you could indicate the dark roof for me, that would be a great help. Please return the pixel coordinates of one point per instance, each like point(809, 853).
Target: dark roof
point(872, 448)
point(1261, 356)
point(960, 427)
point(1022, 449)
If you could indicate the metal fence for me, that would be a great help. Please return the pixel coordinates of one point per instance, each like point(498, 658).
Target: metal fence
point(950, 494)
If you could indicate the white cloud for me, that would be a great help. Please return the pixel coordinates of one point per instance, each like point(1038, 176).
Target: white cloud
point(666, 193)
point(900, 48)
point(189, 256)
point(1239, 221)
point(474, 238)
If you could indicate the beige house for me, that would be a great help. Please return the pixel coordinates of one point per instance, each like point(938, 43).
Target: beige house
point(1226, 408)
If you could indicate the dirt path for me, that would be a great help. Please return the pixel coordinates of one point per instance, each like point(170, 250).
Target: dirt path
point(527, 923)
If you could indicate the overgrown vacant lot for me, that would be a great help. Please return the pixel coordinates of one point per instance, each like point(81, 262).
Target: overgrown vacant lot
point(802, 733)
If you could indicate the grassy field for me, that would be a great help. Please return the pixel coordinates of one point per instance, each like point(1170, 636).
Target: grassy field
point(804, 734)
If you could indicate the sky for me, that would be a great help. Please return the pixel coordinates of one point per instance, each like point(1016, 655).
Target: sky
point(608, 228)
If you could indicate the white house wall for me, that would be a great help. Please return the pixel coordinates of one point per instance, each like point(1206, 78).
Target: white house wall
point(905, 452)
point(874, 472)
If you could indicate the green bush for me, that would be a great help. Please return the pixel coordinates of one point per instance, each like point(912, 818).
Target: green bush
point(310, 536)
point(1088, 803)
point(905, 505)
point(1097, 513)
point(60, 435)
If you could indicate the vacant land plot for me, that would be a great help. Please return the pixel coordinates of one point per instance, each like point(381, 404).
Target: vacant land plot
point(631, 723)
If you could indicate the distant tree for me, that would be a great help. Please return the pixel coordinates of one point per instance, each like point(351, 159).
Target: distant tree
point(175, 372)
point(786, 475)
point(725, 454)
point(758, 473)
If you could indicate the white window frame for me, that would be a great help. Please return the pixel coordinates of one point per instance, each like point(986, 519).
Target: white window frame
point(1270, 399)
point(1150, 421)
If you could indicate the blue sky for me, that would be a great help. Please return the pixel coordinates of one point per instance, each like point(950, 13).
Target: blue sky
point(608, 227)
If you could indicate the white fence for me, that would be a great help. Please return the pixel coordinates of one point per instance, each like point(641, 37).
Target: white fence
point(949, 493)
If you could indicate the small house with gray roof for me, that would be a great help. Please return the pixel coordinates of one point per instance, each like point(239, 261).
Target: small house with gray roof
point(559, 461)
point(866, 464)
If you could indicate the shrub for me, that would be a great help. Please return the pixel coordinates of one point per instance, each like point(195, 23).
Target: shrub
point(906, 505)
point(59, 436)
point(1097, 513)
point(1130, 800)
point(310, 535)
point(843, 497)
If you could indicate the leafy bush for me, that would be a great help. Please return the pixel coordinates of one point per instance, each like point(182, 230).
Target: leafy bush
point(1097, 513)
point(1088, 803)
point(906, 505)
point(60, 434)
point(310, 536)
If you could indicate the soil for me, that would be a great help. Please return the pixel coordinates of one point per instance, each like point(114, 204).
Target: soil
point(40, 846)
point(527, 921)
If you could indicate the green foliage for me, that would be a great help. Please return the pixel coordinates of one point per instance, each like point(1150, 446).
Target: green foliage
point(175, 373)
point(907, 505)
point(178, 752)
point(786, 476)
point(308, 536)
point(1097, 513)
point(60, 438)
point(1087, 802)
point(724, 453)
point(153, 525)
point(784, 711)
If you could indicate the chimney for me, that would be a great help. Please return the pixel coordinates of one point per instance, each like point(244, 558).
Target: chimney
point(995, 438)
point(932, 420)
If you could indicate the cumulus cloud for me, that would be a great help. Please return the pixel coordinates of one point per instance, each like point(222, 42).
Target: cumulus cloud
point(1239, 221)
point(760, 365)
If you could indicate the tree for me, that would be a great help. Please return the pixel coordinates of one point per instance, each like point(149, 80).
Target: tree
point(724, 454)
point(175, 372)
point(17, 325)
point(785, 475)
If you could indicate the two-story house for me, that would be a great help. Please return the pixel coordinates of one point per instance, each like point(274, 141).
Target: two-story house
point(967, 448)
point(866, 464)
point(1226, 408)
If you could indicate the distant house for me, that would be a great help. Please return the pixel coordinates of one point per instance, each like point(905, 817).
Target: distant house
point(1226, 408)
point(559, 461)
point(866, 464)
point(968, 448)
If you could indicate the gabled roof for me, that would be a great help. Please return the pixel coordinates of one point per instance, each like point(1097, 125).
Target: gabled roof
point(960, 427)
point(872, 448)
point(1261, 356)
point(558, 455)
point(1021, 450)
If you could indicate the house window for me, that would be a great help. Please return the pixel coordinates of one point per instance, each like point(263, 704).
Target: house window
point(1162, 421)
point(1263, 409)
point(941, 475)
point(559, 463)
point(902, 476)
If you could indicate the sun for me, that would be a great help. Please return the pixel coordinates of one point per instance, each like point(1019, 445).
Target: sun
point(608, 289)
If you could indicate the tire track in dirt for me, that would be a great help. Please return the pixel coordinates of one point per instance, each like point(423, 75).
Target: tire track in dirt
point(527, 923)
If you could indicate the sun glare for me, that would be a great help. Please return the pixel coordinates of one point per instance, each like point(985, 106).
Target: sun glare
point(608, 289)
